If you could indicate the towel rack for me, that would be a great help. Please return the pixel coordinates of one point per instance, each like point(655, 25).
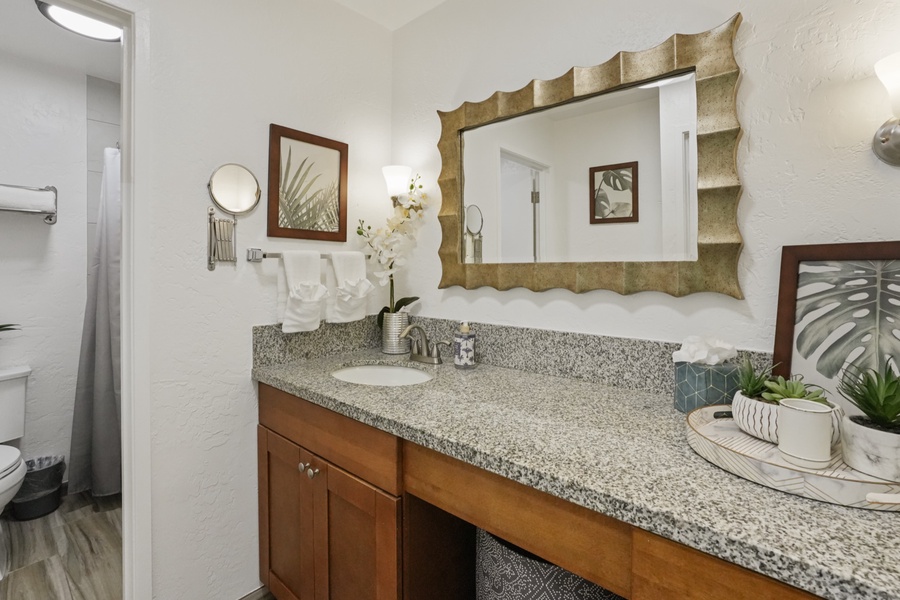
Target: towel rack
point(49, 213)
point(257, 255)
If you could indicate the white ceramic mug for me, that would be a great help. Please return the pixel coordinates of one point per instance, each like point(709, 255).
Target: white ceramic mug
point(804, 433)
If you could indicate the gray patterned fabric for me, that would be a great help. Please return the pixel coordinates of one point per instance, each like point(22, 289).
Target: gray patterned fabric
point(505, 572)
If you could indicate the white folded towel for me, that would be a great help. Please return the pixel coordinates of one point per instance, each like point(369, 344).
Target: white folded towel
point(347, 301)
point(303, 309)
point(15, 198)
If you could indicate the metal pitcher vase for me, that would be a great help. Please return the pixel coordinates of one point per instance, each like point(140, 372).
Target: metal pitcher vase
point(394, 324)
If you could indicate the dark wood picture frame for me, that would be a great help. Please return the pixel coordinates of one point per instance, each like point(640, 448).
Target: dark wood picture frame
point(315, 205)
point(791, 258)
point(598, 177)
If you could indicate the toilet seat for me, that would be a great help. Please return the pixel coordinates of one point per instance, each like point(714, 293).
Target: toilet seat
point(10, 458)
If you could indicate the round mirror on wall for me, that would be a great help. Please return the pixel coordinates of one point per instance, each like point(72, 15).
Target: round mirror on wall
point(234, 189)
point(474, 222)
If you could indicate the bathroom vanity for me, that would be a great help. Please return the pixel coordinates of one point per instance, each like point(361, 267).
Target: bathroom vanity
point(374, 492)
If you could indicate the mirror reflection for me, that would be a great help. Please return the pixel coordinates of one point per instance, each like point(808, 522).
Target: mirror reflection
point(234, 189)
point(608, 178)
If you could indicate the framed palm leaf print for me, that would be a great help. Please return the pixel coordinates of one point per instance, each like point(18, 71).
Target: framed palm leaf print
point(307, 186)
point(838, 304)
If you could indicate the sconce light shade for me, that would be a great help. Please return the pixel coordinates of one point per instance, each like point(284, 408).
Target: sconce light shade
point(397, 179)
point(888, 71)
point(886, 143)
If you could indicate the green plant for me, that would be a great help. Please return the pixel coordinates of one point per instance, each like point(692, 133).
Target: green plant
point(9, 327)
point(753, 384)
point(781, 388)
point(876, 393)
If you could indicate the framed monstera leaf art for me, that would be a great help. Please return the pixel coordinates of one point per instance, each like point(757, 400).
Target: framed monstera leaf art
point(838, 304)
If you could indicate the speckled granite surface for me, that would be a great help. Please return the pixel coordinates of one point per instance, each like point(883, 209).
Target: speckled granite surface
point(623, 362)
point(619, 452)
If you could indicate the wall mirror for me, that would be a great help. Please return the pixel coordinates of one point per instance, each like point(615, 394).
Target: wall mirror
point(234, 189)
point(550, 233)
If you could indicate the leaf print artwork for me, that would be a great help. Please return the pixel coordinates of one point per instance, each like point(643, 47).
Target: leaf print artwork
point(848, 311)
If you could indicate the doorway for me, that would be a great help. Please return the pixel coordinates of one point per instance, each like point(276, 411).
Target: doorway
point(135, 418)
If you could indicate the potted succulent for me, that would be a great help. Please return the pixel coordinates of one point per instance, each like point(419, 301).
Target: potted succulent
point(752, 413)
point(871, 442)
point(755, 404)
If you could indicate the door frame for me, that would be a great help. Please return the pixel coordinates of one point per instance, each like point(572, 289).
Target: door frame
point(137, 555)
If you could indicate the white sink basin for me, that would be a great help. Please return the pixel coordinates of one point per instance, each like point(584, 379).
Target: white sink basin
point(386, 375)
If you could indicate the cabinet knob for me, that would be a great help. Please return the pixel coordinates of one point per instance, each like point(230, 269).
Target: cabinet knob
point(303, 466)
point(311, 473)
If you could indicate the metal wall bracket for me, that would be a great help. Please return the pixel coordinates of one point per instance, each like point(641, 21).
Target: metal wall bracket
point(221, 240)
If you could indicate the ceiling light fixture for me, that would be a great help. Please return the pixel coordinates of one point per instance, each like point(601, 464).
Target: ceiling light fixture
point(80, 24)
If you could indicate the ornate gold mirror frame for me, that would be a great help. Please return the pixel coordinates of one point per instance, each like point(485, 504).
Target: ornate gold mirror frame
point(710, 54)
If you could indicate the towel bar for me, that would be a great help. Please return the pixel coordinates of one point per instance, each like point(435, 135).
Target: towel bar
point(257, 255)
point(49, 213)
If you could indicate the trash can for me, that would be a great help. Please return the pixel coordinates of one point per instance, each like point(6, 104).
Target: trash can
point(506, 572)
point(41, 491)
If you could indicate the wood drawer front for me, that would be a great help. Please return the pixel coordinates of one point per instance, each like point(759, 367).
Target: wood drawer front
point(667, 570)
point(365, 451)
point(585, 542)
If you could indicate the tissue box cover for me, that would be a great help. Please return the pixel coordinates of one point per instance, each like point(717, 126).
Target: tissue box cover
point(703, 385)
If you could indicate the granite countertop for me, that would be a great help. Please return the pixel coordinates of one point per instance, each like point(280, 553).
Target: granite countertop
point(618, 452)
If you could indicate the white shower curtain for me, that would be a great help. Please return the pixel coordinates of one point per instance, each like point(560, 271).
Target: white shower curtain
point(95, 460)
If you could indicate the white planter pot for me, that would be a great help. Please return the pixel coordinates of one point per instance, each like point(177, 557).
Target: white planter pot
point(760, 419)
point(871, 451)
point(805, 432)
point(755, 418)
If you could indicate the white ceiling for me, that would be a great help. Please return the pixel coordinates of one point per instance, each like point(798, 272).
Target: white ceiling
point(392, 14)
point(25, 33)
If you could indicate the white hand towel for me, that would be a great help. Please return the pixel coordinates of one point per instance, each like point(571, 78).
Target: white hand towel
point(348, 300)
point(14, 198)
point(303, 309)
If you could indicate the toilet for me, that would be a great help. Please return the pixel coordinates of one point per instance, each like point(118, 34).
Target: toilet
point(13, 382)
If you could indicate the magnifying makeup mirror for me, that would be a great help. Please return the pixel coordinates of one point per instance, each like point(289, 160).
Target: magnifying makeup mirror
point(474, 223)
point(234, 190)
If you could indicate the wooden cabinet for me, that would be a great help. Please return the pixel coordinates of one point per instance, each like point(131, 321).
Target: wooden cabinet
point(330, 522)
point(325, 534)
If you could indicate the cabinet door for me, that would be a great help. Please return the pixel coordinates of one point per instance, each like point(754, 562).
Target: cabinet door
point(357, 538)
point(285, 518)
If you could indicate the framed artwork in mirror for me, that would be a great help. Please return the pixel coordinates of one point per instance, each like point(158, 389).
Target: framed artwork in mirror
point(614, 193)
point(837, 304)
point(307, 186)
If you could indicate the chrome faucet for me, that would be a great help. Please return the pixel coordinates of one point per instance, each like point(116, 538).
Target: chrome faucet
point(421, 350)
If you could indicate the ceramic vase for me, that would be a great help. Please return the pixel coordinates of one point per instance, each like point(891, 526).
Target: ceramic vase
point(871, 451)
point(760, 419)
point(804, 436)
point(393, 326)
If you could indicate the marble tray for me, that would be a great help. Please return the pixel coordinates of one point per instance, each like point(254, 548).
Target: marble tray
point(721, 442)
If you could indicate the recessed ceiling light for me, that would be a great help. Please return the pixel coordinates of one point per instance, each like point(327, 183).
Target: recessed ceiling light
point(80, 24)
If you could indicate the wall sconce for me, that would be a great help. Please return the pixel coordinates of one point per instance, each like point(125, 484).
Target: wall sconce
point(397, 178)
point(886, 143)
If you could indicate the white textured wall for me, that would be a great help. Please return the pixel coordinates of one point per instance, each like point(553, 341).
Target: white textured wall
point(809, 104)
point(42, 267)
point(217, 74)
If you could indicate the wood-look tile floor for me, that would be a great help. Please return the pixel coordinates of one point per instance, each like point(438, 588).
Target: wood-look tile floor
point(74, 553)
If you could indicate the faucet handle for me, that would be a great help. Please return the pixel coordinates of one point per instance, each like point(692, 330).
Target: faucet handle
point(414, 346)
point(434, 351)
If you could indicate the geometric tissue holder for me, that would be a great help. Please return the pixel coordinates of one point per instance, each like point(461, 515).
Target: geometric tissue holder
point(699, 385)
